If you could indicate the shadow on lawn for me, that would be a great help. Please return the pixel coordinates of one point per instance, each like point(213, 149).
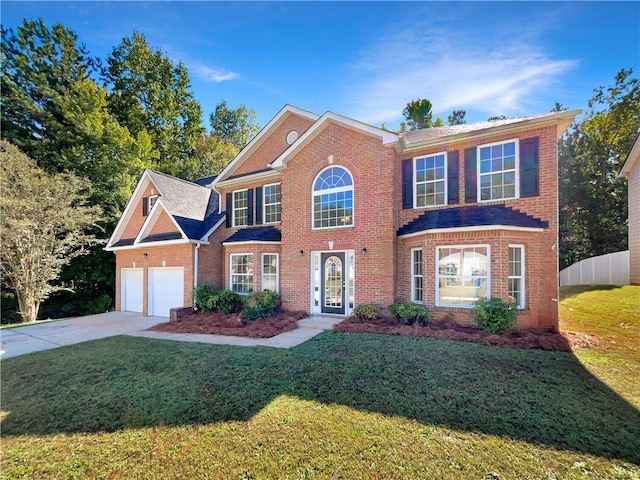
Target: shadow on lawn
point(539, 397)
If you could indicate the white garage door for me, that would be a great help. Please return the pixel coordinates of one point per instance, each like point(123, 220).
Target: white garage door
point(131, 290)
point(166, 290)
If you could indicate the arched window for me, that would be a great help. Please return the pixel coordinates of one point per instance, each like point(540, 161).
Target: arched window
point(333, 198)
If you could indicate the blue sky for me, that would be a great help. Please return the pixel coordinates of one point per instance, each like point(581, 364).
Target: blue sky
point(366, 60)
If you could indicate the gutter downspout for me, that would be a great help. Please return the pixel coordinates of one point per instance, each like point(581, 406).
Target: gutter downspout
point(195, 272)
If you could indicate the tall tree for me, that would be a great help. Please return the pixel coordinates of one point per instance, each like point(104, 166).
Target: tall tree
point(593, 200)
point(418, 114)
point(212, 154)
point(457, 117)
point(44, 219)
point(148, 92)
point(236, 126)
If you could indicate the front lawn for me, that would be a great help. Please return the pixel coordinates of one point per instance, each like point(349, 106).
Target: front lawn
point(339, 406)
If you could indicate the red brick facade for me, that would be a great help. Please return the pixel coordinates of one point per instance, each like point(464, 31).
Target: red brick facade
point(375, 257)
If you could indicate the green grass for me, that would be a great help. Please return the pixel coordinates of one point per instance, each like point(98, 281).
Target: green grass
point(339, 406)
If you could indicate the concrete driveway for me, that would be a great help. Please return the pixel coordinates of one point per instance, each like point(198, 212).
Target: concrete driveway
point(46, 335)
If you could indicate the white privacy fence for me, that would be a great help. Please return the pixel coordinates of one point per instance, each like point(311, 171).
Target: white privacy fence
point(610, 269)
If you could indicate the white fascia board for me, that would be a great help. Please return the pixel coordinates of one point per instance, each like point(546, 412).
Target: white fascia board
point(387, 137)
point(153, 216)
point(162, 243)
point(268, 175)
point(211, 230)
point(130, 208)
point(251, 242)
point(262, 134)
point(631, 160)
point(480, 228)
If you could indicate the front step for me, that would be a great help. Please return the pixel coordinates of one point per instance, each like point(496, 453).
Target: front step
point(320, 323)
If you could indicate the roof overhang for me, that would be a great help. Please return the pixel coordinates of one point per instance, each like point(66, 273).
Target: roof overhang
point(161, 243)
point(251, 242)
point(252, 177)
point(631, 160)
point(479, 228)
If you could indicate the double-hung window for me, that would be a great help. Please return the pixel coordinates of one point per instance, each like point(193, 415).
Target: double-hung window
point(270, 271)
point(430, 180)
point(416, 276)
point(462, 275)
point(498, 178)
point(241, 273)
point(240, 208)
point(333, 198)
point(272, 203)
point(516, 275)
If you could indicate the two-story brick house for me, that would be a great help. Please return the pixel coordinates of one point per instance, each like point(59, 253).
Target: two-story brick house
point(332, 212)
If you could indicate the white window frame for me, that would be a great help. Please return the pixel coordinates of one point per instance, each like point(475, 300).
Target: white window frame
point(235, 210)
point(437, 272)
point(415, 276)
point(315, 193)
point(265, 204)
point(522, 303)
point(152, 201)
point(277, 274)
point(231, 272)
point(516, 170)
point(415, 180)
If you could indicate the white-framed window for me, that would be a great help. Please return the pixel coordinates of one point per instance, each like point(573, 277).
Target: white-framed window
point(241, 208)
point(416, 276)
point(152, 201)
point(430, 180)
point(462, 275)
point(498, 171)
point(333, 198)
point(241, 270)
point(272, 203)
point(270, 271)
point(516, 275)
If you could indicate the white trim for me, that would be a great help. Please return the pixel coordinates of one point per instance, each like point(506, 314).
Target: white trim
point(231, 255)
point(144, 181)
point(414, 276)
point(386, 136)
point(631, 160)
point(523, 301)
point(264, 203)
point(233, 207)
point(253, 177)
point(251, 242)
point(437, 272)
point(348, 310)
point(352, 189)
point(415, 183)
point(161, 243)
point(151, 220)
point(479, 228)
point(516, 142)
point(277, 274)
point(211, 230)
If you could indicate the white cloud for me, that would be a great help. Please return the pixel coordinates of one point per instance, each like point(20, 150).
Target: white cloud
point(211, 74)
point(453, 70)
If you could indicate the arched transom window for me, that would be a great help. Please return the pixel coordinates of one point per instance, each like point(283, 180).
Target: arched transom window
point(333, 198)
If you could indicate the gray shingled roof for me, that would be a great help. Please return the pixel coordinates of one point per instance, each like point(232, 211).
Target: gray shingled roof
point(415, 137)
point(182, 198)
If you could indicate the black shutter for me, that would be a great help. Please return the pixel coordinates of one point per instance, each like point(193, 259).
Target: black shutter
point(250, 206)
point(453, 185)
point(258, 205)
point(145, 206)
point(229, 205)
point(529, 168)
point(470, 175)
point(407, 183)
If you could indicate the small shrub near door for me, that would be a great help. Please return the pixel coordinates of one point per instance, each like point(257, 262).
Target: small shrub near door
point(494, 315)
point(366, 311)
point(204, 292)
point(260, 304)
point(410, 313)
point(225, 301)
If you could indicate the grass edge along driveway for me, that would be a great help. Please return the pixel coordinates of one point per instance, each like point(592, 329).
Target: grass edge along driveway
point(339, 406)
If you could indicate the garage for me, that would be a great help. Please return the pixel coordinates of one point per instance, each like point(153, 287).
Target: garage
point(166, 290)
point(132, 289)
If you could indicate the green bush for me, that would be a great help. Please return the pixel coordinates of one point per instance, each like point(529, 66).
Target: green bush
point(260, 304)
point(410, 313)
point(366, 311)
point(203, 293)
point(494, 315)
point(225, 301)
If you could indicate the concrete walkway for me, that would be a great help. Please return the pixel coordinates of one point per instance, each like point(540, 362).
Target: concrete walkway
point(52, 334)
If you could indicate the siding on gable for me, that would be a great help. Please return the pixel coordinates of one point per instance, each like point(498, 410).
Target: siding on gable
point(634, 224)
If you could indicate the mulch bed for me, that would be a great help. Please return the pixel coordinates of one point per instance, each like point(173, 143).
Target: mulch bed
point(222, 324)
point(450, 330)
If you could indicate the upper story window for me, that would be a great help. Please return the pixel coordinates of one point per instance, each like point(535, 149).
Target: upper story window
point(498, 167)
point(430, 180)
point(240, 208)
point(333, 198)
point(272, 203)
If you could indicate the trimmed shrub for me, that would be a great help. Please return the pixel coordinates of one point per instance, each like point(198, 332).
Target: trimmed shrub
point(366, 311)
point(260, 304)
point(494, 315)
point(410, 313)
point(203, 293)
point(225, 301)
